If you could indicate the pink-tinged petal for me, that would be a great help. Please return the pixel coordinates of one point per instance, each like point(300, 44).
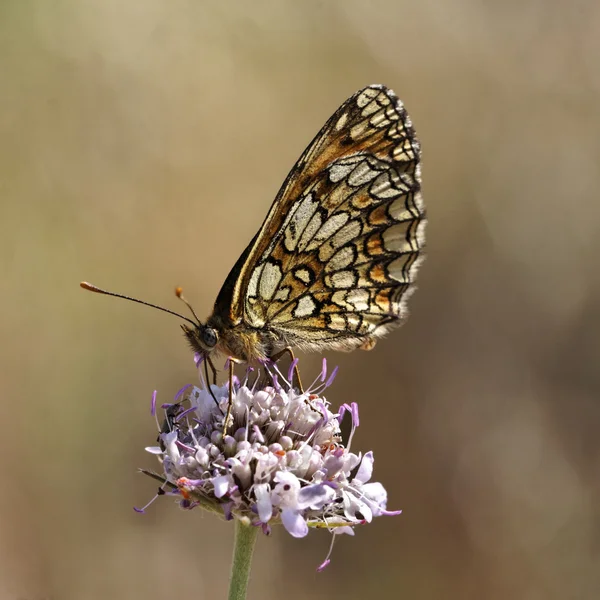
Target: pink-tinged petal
point(315, 496)
point(365, 471)
point(334, 463)
point(375, 492)
point(294, 523)
point(154, 449)
point(153, 404)
point(351, 461)
point(391, 513)
point(263, 501)
point(221, 485)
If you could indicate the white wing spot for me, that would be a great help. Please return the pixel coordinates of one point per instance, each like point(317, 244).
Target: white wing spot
point(310, 230)
point(269, 280)
point(339, 298)
point(388, 185)
point(329, 228)
point(399, 211)
point(362, 175)
point(341, 280)
point(342, 168)
point(305, 308)
point(366, 96)
point(395, 238)
point(397, 268)
point(298, 222)
point(337, 322)
point(341, 259)
point(253, 283)
point(282, 294)
point(303, 275)
point(341, 122)
point(359, 299)
point(346, 233)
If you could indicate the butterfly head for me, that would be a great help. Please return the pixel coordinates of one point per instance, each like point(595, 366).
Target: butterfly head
point(202, 338)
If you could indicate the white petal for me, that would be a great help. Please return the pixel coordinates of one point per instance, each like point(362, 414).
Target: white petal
point(221, 485)
point(263, 501)
point(375, 492)
point(154, 449)
point(294, 523)
point(287, 478)
point(366, 468)
point(169, 440)
point(353, 505)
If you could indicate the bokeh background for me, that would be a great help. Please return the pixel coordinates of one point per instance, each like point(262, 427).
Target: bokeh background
point(141, 144)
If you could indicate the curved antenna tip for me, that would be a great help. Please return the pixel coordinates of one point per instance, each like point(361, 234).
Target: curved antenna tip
point(91, 288)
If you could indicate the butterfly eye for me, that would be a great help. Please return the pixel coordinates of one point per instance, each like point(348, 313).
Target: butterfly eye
point(209, 337)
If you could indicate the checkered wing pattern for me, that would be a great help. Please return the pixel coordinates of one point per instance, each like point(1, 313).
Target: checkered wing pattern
point(336, 258)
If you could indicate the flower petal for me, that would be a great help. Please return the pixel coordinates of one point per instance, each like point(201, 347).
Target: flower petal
point(315, 496)
point(341, 530)
point(354, 505)
point(262, 493)
point(287, 478)
point(221, 485)
point(294, 523)
point(365, 471)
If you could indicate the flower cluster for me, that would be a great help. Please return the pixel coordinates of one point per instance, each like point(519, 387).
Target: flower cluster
point(281, 460)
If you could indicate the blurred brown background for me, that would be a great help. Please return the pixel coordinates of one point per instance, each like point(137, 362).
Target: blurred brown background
point(141, 144)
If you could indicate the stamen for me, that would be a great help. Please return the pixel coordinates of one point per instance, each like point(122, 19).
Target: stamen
point(293, 365)
point(153, 404)
point(327, 560)
point(142, 510)
point(324, 369)
point(180, 392)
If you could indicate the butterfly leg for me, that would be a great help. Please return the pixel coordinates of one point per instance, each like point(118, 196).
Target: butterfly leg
point(214, 371)
point(212, 368)
point(232, 361)
point(289, 351)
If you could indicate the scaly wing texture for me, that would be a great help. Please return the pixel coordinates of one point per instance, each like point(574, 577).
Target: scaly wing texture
point(336, 258)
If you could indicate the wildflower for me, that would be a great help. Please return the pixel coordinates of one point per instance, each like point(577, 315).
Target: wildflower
point(281, 460)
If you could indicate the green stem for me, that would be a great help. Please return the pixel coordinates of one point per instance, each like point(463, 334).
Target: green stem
point(243, 547)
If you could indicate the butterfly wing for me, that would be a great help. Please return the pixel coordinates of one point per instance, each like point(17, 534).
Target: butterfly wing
point(337, 255)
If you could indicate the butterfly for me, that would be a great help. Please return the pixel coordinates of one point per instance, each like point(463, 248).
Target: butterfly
point(336, 257)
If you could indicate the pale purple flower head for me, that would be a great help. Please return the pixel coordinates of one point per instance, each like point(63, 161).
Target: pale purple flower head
point(282, 461)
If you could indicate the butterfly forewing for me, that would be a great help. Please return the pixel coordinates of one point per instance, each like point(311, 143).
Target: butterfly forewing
point(336, 257)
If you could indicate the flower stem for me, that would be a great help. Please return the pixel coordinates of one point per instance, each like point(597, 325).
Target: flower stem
point(243, 547)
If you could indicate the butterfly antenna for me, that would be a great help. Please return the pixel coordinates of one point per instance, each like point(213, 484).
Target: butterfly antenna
point(92, 288)
point(179, 294)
